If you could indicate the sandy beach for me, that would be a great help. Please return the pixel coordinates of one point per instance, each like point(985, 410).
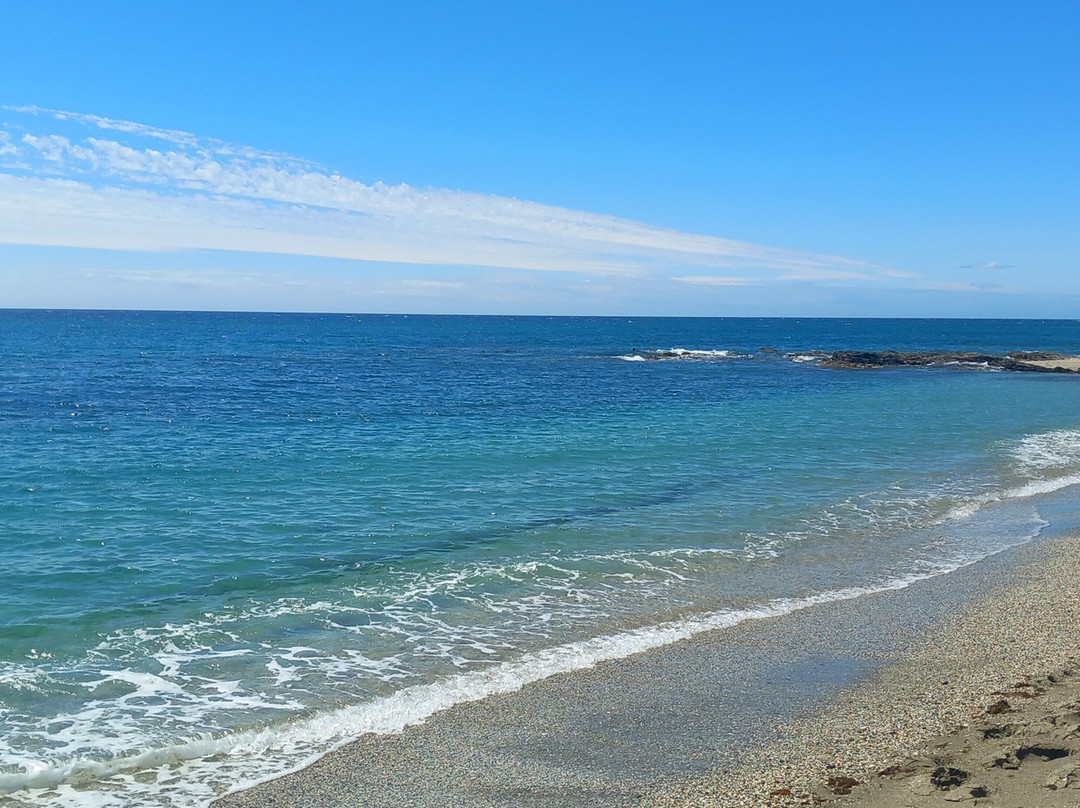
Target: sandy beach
point(796, 710)
point(985, 711)
point(1071, 363)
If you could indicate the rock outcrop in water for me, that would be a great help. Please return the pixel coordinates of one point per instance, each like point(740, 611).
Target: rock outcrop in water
point(1026, 361)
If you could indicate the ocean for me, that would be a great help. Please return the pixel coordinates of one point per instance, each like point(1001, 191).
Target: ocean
point(232, 542)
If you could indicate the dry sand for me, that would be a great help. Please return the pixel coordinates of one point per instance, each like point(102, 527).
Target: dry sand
point(1068, 363)
point(1024, 750)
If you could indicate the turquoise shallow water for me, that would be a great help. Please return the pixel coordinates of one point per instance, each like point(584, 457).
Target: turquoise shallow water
point(233, 541)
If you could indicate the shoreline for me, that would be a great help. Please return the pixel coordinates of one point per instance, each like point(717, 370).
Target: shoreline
point(714, 720)
point(954, 721)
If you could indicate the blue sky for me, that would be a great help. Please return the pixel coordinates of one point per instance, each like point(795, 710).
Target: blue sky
point(772, 158)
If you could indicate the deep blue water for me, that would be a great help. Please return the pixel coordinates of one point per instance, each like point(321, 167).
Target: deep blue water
point(231, 541)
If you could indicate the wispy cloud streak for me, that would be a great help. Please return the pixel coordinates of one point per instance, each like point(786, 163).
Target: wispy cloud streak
point(86, 181)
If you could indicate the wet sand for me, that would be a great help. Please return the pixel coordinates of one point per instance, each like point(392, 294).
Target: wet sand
point(779, 711)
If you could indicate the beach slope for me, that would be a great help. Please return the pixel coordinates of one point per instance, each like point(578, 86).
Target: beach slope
point(984, 711)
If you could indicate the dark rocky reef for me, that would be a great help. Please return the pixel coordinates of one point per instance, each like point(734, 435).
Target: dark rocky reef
point(1018, 360)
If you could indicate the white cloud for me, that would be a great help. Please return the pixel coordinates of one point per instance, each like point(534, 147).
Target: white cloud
point(824, 274)
point(962, 286)
point(425, 286)
point(57, 148)
point(987, 265)
point(711, 280)
point(111, 188)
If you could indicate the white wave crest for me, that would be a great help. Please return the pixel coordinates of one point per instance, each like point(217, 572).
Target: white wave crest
point(1056, 450)
point(1030, 489)
point(683, 354)
point(1045, 462)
